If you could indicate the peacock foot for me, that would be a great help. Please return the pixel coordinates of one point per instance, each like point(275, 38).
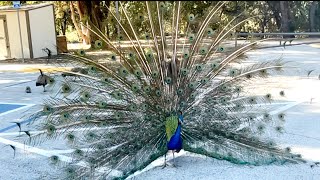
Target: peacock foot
point(165, 165)
point(169, 165)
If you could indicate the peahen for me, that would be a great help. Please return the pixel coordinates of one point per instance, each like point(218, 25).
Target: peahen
point(182, 91)
point(42, 80)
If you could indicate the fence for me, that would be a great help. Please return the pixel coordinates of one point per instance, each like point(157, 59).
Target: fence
point(275, 34)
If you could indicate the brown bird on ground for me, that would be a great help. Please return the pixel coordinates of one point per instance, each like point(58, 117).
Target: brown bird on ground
point(42, 80)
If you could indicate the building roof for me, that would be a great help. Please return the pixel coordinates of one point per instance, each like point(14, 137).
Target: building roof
point(24, 7)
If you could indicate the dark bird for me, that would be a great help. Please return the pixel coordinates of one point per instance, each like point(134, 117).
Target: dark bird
point(42, 80)
point(49, 53)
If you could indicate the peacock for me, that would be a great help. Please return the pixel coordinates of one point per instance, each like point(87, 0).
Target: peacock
point(165, 87)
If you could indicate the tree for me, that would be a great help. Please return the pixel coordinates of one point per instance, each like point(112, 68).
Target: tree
point(275, 8)
point(284, 16)
point(88, 11)
point(62, 13)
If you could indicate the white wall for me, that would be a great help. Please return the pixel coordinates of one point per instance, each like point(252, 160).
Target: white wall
point(42, 31)
point(13, 33)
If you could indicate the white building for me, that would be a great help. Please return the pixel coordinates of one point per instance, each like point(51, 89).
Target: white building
point(38, 31)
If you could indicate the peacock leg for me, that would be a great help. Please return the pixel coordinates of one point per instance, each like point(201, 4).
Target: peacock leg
point(165, 161)
point(44, 89)
point(174, 164)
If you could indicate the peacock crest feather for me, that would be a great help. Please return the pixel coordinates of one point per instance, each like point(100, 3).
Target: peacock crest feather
point(121, 102)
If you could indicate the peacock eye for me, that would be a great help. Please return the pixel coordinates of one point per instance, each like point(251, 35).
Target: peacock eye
point(70, 171)
point(162, 6)
point(203, 50)
point(155, 74)
point(158, 92)
point(81, 52)
point(268, 96)
point(191, 17)
point(98, 44)
point(199, 67)
point(281, 116)
point(209, 32)
point(191, 37)
point(168, 80)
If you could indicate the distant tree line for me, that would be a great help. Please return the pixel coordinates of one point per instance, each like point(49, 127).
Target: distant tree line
point(274, 16)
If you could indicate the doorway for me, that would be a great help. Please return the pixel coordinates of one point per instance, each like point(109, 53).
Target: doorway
point(4, 39)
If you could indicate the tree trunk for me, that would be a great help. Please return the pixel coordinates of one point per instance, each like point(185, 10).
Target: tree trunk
point(84, 36)
point(286, 19)
point(284, 16)
point(312, 13)
point(95, 13)
point(275, 8)
point(96, 18)
point(82, 8)
point(64, 23)
point(105, 13)
point(291, 22)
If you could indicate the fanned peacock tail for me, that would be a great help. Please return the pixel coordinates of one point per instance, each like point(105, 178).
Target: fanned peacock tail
point(120, 102)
